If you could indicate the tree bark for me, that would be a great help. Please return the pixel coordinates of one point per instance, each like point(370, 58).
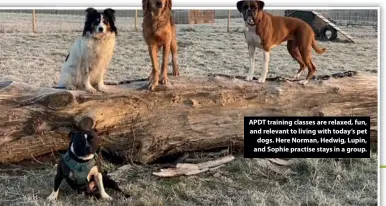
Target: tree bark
point(190, 114)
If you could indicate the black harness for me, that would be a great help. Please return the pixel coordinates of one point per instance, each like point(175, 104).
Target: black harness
point(80, 170)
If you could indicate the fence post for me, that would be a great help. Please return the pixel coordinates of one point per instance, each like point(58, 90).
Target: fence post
point(229, 20)
point(34, 30)
point(136, 20)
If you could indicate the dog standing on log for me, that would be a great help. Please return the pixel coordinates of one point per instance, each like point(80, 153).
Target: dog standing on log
point(90, 55)
point(266, 31)
point(159, 30)
point(81, 167)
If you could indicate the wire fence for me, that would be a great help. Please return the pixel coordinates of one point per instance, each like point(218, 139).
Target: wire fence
point(58, 21)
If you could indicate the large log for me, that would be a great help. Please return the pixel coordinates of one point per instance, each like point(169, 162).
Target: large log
point(193, 113)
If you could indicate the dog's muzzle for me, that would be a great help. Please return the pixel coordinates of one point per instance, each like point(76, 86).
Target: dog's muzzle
point(249, 12)
point(158, 4)
point(248, 18)
point(100, 29)
point(87, 149)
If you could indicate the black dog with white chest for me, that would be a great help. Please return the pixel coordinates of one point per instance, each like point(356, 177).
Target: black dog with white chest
point(80, 166)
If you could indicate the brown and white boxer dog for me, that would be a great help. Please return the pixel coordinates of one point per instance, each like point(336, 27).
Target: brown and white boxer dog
point(80, 166)
point(265, 31)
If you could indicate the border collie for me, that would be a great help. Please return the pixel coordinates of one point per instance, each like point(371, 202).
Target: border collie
point(90, 55)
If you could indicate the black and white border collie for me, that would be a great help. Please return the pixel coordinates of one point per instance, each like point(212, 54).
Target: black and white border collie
point(90, 55)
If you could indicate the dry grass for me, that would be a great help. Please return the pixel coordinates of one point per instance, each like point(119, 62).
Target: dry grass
point(241, 182)
point(36, 59)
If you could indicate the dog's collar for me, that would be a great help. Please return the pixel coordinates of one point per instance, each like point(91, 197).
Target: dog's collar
point(79, 168)
point(257, 22)
point(75, 158)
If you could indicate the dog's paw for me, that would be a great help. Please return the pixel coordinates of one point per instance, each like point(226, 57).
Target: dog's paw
point(296, 76)
point(70, 87)
point(261, 80)
point(153, 85)
point(91, 90)
point(105, 196)
point(164, 80)
point(249, 78)
point(303, 82)
point(102, 88)
point(176, 73)
point(53, 196)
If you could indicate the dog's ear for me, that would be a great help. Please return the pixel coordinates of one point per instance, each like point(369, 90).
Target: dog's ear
point(87, 24)
point(110, 13)
point(239, 6)
point(90, 11)
point(145, 5)
point(169, 4)
point(261, 5)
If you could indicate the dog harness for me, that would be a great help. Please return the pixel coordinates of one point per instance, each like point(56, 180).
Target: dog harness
point(80, 170)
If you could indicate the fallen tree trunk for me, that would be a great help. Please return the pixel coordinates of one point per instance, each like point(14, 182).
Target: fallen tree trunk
point(193, 113)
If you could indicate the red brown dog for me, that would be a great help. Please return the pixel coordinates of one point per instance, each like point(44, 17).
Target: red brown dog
point(266, 31)
point(159, 31)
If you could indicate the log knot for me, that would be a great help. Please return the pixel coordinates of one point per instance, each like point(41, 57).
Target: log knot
point(58, 100)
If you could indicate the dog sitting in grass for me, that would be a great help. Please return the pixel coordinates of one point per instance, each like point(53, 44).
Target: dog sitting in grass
point(90, 55)
point(80, 166)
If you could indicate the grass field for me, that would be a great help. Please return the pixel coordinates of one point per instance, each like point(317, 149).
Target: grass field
point(241, 182)
point(36, 59)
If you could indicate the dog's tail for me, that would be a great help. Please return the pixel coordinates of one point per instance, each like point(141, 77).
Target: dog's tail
point(316, 48)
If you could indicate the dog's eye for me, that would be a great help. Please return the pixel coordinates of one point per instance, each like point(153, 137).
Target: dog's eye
point(245, 7)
